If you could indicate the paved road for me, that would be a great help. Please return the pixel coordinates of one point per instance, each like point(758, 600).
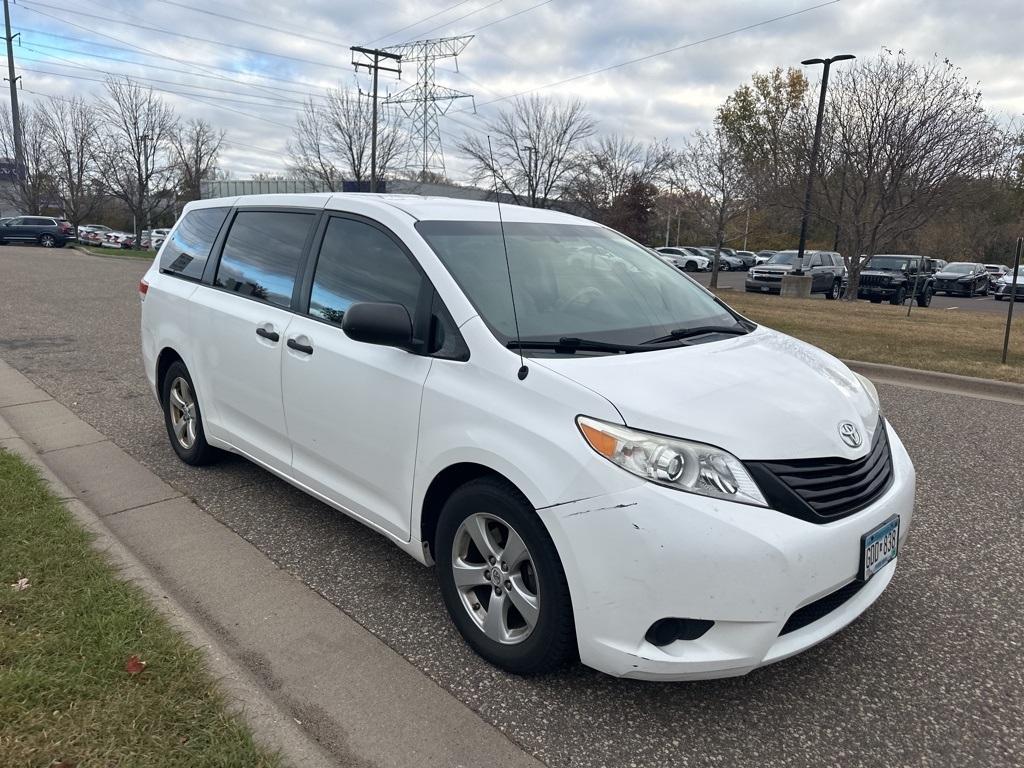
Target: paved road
point(930, 676)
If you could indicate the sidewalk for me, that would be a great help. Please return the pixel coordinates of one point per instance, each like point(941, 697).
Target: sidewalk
point(309, 680)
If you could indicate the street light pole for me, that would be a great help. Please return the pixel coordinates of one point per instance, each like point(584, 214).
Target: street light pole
point(814, 152)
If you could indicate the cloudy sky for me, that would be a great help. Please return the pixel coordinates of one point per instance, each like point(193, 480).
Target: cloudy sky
point(648, 69)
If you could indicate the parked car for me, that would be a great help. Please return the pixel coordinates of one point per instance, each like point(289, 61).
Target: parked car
point(686, 259)
point(995, 271)
point(962, 277)
point(726, 262)
point(896, 277)
point(762, 256)
point(1005, 286)
point(553, 436)
point(826, 269)
point(47, 231)
point(122, 240)
point(749, 258)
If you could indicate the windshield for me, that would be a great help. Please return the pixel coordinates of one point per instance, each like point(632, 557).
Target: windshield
point(958, 266)
point(786, 257)
point(887, 262)
point(570, 281)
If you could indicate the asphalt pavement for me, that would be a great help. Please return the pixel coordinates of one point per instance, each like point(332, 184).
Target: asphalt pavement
point(336, 648)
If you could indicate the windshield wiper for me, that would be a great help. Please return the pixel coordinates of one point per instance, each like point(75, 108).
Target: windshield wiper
point(700, 330)
point(571, 344)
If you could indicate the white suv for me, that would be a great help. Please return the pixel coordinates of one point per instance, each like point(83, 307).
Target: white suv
point(552, 435)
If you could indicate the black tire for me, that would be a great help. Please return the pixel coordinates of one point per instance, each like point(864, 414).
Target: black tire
point(998, 298)
point(970, 292)
point(925, 299)
point(47, 240)
point(834, 292)
point(875, 300)
point(690, 266)
point(184, 419)
point(984, 291)
point(485, 514)
point(899, 297)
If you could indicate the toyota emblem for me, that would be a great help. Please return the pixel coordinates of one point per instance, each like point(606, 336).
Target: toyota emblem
point(850, 434)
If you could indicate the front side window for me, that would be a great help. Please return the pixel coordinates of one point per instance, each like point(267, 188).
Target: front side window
point(359, 262)
point(189, 249)
point(261, 254)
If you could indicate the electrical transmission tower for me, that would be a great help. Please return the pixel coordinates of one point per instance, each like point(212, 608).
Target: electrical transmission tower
point(425, 101)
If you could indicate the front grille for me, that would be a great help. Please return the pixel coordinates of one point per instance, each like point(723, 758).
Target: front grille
point(822, 607)
point(823, 490)
point(874, 281)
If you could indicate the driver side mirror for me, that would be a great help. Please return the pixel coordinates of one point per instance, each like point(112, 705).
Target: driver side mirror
point(383, 323)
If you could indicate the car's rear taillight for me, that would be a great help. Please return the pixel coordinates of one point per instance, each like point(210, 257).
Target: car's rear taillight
point(143, 289)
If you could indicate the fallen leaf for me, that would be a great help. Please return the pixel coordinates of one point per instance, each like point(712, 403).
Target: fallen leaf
point(134, 665)
point(20, 585)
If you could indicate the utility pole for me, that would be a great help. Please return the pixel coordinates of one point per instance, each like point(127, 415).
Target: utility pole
point(377, 55)
point(19, 152)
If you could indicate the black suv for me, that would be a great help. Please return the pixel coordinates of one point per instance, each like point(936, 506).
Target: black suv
point(897, 277)
point(48, 231)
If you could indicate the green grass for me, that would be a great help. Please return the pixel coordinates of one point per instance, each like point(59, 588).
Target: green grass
point(930, 339)
point(126, 253)
point(66, 697)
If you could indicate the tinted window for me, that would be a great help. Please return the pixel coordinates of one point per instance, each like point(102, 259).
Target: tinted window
point(186, 253)
point(261, 254)
point(359, 262)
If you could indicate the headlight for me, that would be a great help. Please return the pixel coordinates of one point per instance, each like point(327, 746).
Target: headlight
point(673, 463)
point(886, 280)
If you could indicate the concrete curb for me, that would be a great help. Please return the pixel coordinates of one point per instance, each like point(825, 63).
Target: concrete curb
point(987, 389)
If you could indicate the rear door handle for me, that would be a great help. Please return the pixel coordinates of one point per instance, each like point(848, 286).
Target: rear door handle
point(272, 335)
point(305, 348)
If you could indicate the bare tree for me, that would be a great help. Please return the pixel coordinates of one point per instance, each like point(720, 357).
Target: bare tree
point(333, 140)
point(196, 148)
point(135, 155)
point(612, 168)
point(534, 152)
point(902, 143)
point(31, 191)
point(73, 134)
point(712, 181)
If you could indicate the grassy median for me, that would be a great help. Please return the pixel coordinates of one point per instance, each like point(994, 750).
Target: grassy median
point(90, 673)
point(930, 339)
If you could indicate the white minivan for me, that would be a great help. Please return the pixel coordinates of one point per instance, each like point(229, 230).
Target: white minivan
point(561, 437)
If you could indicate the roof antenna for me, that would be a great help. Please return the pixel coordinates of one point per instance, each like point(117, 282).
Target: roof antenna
point(523, 370)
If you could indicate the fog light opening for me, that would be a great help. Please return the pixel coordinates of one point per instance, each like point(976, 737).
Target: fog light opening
point(666, 631)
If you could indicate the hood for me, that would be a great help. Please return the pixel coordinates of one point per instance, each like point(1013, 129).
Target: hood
point(762, 396)
point(774, 267)
point(954, 276)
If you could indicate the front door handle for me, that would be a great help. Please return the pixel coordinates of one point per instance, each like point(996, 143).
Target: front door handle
point(272, 335)
point(305, 348)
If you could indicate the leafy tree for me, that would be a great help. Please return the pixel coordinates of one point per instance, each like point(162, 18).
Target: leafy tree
point(534, 150)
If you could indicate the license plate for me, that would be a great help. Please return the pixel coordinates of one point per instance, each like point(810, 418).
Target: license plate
point(879, 547)
point(765, 288)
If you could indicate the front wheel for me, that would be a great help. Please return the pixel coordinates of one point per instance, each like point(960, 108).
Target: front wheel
point(899, 297)
point(502, 580)
point(984, 291)
point(723, 267)
point(183, 418)
point(834, 291)
point(690, 266)
point(925, 298)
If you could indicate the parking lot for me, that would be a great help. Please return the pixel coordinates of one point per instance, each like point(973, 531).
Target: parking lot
point(931, 675)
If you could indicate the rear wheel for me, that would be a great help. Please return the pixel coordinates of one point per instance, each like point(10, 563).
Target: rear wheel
point(875, 300)
point(502, 580)
point(47, 240)
point(925, 298)
point(690, 266)
point(183, 418)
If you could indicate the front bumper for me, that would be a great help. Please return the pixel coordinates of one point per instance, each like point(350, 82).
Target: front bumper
point(649, 553)
point(764, 284)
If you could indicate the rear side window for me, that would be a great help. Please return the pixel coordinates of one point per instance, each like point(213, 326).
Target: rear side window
point(359, 262)
point(186, 253)
point(261, 254)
